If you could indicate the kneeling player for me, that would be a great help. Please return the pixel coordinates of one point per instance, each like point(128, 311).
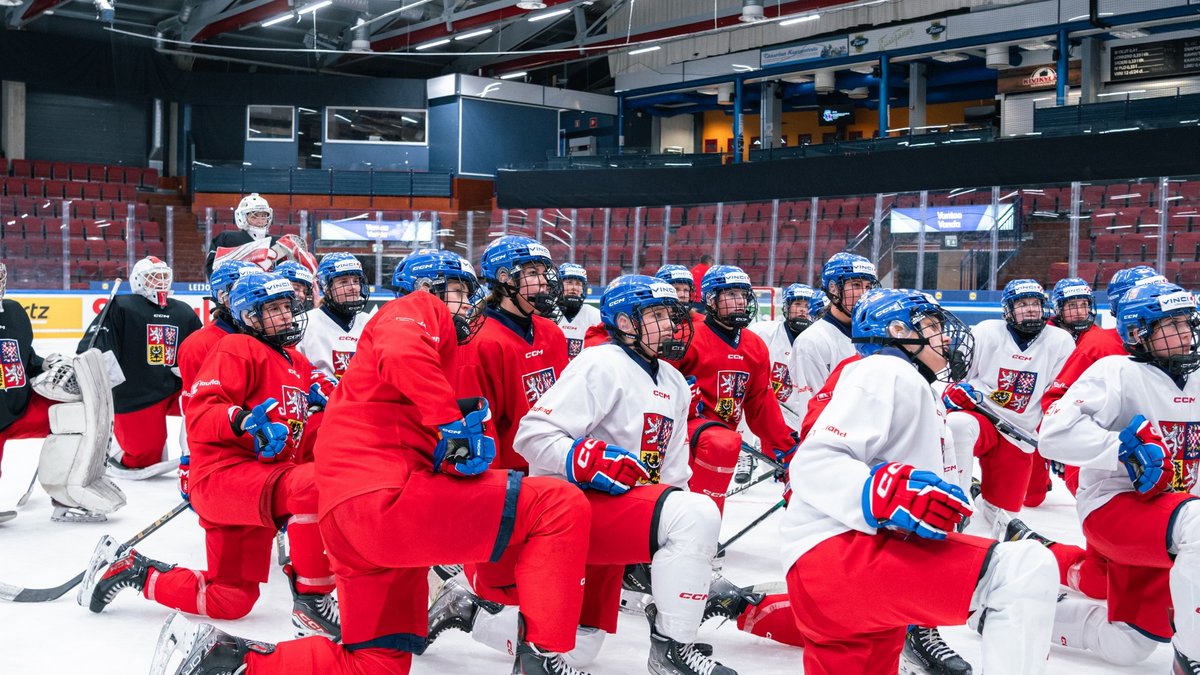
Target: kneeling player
point(864, 484)
point(245, 421)
point(1129, 423)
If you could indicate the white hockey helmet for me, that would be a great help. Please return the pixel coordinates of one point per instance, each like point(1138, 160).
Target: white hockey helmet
point(151, 279)
point(253, 203)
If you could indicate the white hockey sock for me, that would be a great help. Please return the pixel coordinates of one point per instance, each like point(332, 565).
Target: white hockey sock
point(681, 569)
point(1083, 624)
point(1018, 591)
point(964, 429)
point(1185, 579)
point(499, 631)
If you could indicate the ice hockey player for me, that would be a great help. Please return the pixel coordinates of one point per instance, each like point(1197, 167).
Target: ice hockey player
point(1015, 360)
point(626, 447)
point(420, 460)
point(802, 306)
point(66, 401)
point(844, 278)
point(681, 278)
point(733, 381)
point(245, 419)
point(334, 328)
point(864, 484)
point(575, 315)
point(1128, 422)
point(253, 217)
point(144, 330)
point(302, 280)
point(518, 353)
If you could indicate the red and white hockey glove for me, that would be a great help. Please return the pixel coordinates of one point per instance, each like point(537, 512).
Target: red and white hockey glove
point(1145, 457)
point(899, 496)
point(697, 397)
point(961, 396)
point(320, 388)
point(592, 463)
point(185, 465)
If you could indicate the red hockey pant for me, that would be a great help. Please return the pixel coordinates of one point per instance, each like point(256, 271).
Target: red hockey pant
point(35, 423)
point(142, 434)
point(239, 557)
point(384, 542)
point(1004, 466)
point(715, 449)
point(1084, 570)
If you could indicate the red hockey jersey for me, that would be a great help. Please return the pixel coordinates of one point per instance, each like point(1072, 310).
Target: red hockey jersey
point(511, 371)
point(196, 348)
point(382, 425)
point(735, 382)
point(1093, 345)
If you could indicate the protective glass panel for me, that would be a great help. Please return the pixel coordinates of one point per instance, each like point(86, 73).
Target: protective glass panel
point(374, 125)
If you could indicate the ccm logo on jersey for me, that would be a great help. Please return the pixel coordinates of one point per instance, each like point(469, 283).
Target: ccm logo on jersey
point(1184, 399)
point(1022, 357)
point(736, 357)
point(536, 352)
point(347, 338)
point(662, 394)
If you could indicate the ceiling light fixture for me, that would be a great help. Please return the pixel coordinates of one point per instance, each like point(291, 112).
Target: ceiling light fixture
point(799, 19)
point(432, 44)
point(514, 75)
point(645, 50)
point(314, 7)
point(279, 19)
point(472, 34)
point(531, 4)
point(549, 15)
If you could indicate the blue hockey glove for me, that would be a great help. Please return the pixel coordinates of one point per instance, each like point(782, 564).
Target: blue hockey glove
point(784, 457)
point(320, 388)
point(1145, 457)
point(898, 496)
point(697, 399)
point(270, 438)
point(592, 463)
point(462, 448)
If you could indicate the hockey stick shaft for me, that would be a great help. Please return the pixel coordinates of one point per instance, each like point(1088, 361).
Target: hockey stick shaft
point(753, 524)
point(762, 456)
point(104, 312)
point(756, 481)
point(18, 594)
point(1004, 426)
point(28, 491)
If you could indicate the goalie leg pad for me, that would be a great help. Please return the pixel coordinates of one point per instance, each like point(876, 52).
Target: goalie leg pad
point(71, 465)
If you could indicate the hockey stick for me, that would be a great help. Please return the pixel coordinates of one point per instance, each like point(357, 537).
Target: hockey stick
point(103, 313)
point(747, 486)
point(1005, 427)
point(753, 524)
point(19, 594)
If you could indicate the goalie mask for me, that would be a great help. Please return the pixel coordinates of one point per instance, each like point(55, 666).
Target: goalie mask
point(452, 279)
point(882, 317)
point(151, 279)
point(254, 216)
point(660, 325)
point(265, 306)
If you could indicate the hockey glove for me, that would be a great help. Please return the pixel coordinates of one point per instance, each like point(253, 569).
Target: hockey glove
point(899, 496)
point(592, 463)
point(270, 438)
point(784, 457)
point(462, 448)
point(697, 399)
point(961, 396)
point(320, 388)
point(185, 465)
point(1057, 468)
point(1144, 455)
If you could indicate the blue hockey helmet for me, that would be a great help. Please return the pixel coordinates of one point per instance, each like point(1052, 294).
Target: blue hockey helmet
point(340, 264)
point(629, 296)
point(1020, 289)
point(817, 302)
point(676, 274)
point(572, 303)
point(247, 300)
point(1125, 279)
point(842, 267)
point(1073, 288)
point(299, 274)
point(431, 270)
point(222, 278)
point(1142, 308)
point(715, 287)
point(572, 271)
point(509, 254)
point(879, 310)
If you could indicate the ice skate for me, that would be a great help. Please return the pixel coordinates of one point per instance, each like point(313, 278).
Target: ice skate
point(130, 570)
point(727, 600)
point(1182, 665)
point(73, 514)
point(668, 657)
point(533, 661)
point(455, 607)
point(206, 649)
point(314, 613)
point(744, 471)
point(1018, 530)
point(926, 652)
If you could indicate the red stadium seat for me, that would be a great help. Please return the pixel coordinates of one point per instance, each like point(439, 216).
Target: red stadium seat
point(42, 169)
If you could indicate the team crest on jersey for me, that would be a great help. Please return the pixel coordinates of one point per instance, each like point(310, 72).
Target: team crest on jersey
point(1183, 442)
point(574, 347)
point(294, 410)
point(162, 344)
point(781, 381)
point(536, 383)
point(731, 389)
point(10, 361)
point(1015, 389)
point(656, 434)
point(341, 361)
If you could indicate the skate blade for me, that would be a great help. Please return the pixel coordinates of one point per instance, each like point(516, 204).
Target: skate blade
point(102, 557)
point(633, 602)
point(178, 636)
point(142, 474)
point(6, 516)
point(66, 514)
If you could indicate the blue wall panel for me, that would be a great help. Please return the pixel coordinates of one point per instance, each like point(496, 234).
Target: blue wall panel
point(500, 134)
point(443, 134)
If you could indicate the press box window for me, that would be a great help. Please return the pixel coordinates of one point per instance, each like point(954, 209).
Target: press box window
point(374, 125)
point(270, 123)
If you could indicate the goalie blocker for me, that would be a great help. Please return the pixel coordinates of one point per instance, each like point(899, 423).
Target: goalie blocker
point(72, 461)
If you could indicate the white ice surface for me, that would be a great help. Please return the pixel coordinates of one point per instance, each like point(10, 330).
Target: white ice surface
point(62, 637)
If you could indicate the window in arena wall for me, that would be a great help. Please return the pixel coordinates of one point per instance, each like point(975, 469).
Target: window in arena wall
point(270, 123)
point(400, 126)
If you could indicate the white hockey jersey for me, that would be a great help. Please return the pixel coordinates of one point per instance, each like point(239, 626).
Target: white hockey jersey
point(327, 345)
point(606, 394)
point(815, 354)
point(779, 345)
point(882, 410)
point(1083, 427)
point(1011, 380)
point(575, 329)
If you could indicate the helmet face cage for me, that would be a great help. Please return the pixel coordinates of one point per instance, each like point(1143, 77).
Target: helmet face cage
point(277, 327)
point(544, 303)
point(958, 344)
point(1081, 325)
point(1152, 326)
point(681, 330)
point(468, 315)
point(253, 205)
point(1028, 327)
point(352, 306)
point(151, 279)
point(836, 290)
point(722, 305)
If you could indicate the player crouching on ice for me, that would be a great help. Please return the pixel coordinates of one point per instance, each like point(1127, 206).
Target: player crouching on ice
point(245, 422)
point(869, 477)
point(615, 425)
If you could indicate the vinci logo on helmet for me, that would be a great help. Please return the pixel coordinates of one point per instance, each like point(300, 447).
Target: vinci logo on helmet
point(1177, 300)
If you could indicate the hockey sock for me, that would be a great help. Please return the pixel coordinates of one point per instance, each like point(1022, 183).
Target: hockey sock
point(1083, 624)
point(313, 576)
point(773, 619)
point(1018, 591)
point(1185, 579)
point(681, 569)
